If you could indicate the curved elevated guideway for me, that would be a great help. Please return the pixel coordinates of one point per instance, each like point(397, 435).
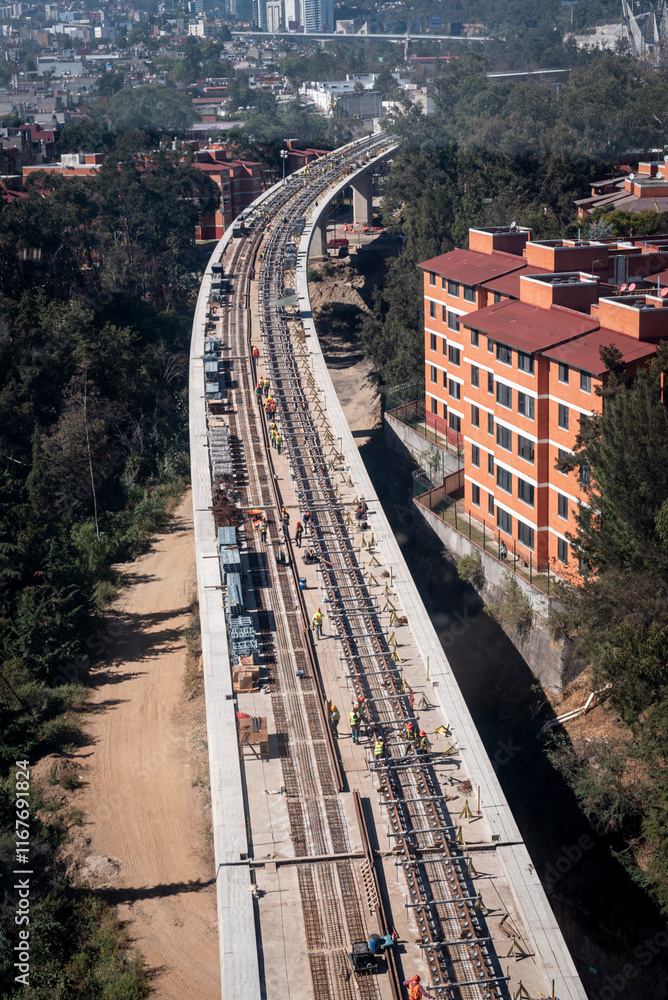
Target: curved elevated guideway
point(318, 845)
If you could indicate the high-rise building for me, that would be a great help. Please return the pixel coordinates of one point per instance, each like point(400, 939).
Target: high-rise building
point(274, 15)
point(293, 14)
point(260, 14)
point(318, 15)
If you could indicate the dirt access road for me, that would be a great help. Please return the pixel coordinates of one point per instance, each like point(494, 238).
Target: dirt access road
point(145, 818)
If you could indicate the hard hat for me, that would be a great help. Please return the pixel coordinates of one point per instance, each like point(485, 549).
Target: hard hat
point(355, 705)
point(317, 609)
point(409, 724)
point(415, 979)
point(361, 698)
point(422, 732)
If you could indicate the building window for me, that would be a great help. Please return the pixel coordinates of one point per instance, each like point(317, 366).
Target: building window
point(432, 278)
point(504, 354)
point(444, 346)
point(475, 455)
point(445, 380)
point(475, 376)
point(525, 491)
point(562, 454)
point(443, 283)
point(524, 534)
point(490, 423)
point(562, 550)
point(563, 373)
point(525, 362)
point(490, 463)
point(475, 338)
point(504, 479)
point(453, 355)
point(453, 289)
point(453, 322)
point(469, 293)
point(497, 297)
point(444, 314)
point(504, 437)
point(455, 389)
point(434, 405)
point(434, 373)
point(432, 310)
point(585, 382)
point(490, 345)
point(585, 477)
point(563, 416)
point(490, 382)
point(504, 395)
point(432, 341)
point(504, 521)
point(475, 494)
point(475, 416)
point(525, 448)
point(455, 423)
point(445, 411)
point(490, 504)
point(525, 405)
point(562, 506)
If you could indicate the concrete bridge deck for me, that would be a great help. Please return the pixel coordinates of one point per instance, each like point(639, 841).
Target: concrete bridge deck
point(318, 845)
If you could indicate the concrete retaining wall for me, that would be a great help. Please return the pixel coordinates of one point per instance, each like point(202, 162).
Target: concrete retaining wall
point(412, 446)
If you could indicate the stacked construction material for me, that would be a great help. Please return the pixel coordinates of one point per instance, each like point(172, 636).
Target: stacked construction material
point(219, 450)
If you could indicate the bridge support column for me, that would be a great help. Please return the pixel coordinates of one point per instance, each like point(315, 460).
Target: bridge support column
point(318, 246)
point(362, 200)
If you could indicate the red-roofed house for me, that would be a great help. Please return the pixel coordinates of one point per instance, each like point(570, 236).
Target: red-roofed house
point(513, 331)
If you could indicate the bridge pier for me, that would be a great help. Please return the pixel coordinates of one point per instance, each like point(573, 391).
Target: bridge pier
point(362, 199)
point(318, 246)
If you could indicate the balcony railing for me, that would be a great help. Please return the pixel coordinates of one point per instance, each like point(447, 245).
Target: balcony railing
point(537, 572)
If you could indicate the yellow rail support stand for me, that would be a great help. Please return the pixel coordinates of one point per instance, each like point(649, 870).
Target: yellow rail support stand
point(449, 751)
point(350, 482)
point(394, 617)
point(444, 730)
point(389, 606)
point(517, 950)
point(348, 518)
point(395, 655)
point(470, 870)
point(466, 811)
point(522, 992)
point(372, 580)
point(459, 839)
point(393, 640)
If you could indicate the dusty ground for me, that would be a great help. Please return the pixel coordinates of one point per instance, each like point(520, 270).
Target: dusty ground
point(339, 302)
point(145, 796)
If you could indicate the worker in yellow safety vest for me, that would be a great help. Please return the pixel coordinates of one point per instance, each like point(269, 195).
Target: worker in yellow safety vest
point(379, 747)
point(317, 623)
point(355, 724)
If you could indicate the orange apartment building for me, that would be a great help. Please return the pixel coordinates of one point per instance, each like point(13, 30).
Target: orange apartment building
point(513, 329)
point(240, 184)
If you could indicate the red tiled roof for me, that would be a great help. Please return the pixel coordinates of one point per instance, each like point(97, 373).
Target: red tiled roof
point(471, 267)
point(509, 284)
point(584, 355)
point(526, 327)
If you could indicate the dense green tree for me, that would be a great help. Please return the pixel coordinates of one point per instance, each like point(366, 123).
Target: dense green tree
point(151, 108)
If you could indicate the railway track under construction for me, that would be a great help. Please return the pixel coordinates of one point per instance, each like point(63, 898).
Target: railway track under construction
point(341, 886)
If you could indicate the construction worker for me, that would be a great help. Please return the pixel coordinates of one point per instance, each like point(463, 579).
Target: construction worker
point(258, 392)
point(263, 530)
point(272, 435)
point(415, 991)
point(362, 712)
point(277, 440)
point(256, 353)
point(355, 723)
point(307, 518)
point(411, 734)
point(266, 387)
point(317, 623)
point(423, 745)
point(285, 518)
point(378, 747)
point(299, 531)
point(334, 717)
